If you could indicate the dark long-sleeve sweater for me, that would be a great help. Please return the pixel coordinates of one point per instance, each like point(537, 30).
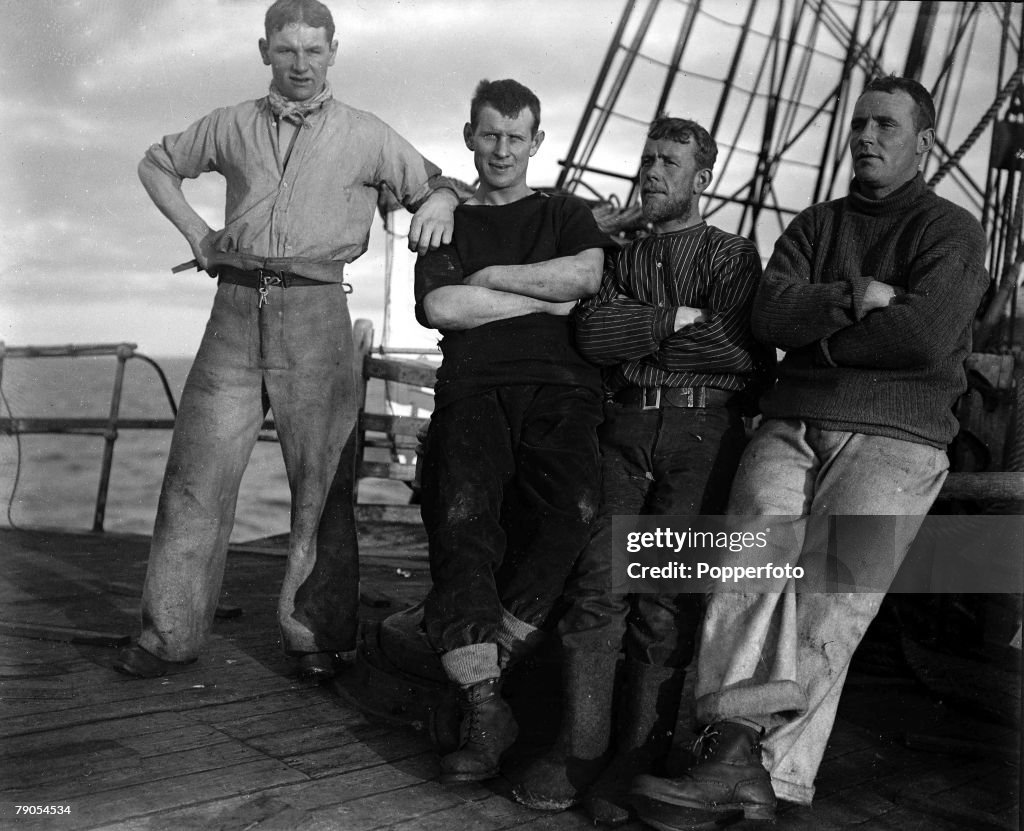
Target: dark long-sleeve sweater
point(895, 371)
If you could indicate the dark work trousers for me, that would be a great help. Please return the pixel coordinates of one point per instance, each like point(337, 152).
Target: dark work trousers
point(293, 354)
point(511, 481)
point(665, 461)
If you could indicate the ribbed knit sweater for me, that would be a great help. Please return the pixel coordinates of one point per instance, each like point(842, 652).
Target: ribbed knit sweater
point(895, 371)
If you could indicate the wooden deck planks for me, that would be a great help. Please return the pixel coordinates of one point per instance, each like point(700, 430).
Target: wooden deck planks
point(110, 765)
point(265, 708)
point(105, 807)
point(224, 673)
point(49, 765)
point(302, 801)
point(181, 694)
point(373, 747)
point(235, 742)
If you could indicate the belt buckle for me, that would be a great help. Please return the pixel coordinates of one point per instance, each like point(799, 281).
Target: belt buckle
point(269, 277)
point(645, 402)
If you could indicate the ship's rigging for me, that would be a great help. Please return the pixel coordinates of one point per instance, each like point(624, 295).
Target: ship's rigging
point(775, 83)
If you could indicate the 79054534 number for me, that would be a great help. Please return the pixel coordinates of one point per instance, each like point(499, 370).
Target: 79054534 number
point(43, 809)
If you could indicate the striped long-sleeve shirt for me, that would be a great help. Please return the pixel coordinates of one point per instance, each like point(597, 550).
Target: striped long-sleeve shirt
point(628, 327)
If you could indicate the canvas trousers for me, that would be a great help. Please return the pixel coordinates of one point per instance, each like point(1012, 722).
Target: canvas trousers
point(293, 355)
point(510, 486)
point(668, 461)
point(780, 658)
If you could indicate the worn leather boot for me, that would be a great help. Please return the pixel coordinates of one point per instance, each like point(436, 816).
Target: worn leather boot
point(645, 723)
point(318, 667)
point(141, 663)
point(727, 778)
point(515, 640)
point(487, 730)
point(559, 778)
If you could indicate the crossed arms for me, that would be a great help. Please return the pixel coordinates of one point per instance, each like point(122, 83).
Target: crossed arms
point(624, 322)
point(861, 321)
point(500, 292)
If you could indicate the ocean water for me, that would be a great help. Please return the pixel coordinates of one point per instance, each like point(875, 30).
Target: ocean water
point(52, 480)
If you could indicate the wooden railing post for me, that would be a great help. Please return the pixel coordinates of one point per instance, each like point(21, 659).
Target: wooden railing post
point(362, 341)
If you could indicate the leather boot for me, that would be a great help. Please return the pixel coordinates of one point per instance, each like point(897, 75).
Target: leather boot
point(645, 723)
point(515, 640)
point(487, 730)
point(141, 663)
point(727, 778)
point(558, 779)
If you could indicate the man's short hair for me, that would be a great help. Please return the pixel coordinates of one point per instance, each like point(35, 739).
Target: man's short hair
point(924, 112)
point(311, 12)
point(685, 131)
point(508, 97)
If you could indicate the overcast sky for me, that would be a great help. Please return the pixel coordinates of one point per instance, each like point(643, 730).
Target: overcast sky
point(88, 85)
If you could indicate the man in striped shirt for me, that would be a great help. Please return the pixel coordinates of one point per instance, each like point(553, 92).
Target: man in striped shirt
point(671, 329)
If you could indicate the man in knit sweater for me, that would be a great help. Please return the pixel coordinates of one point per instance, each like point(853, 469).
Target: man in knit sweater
point(872, 298)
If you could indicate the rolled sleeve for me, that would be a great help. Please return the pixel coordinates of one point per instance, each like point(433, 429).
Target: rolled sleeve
point(406, 174)
point(435, 269)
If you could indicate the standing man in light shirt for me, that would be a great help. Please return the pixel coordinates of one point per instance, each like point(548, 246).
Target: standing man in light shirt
point(304, 173)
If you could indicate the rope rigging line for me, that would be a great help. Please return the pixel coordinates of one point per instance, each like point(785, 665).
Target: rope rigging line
point(1008, 90)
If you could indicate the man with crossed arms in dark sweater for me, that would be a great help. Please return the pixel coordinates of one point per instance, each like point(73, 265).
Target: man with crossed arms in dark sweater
point(511, 465)
point(872, 298)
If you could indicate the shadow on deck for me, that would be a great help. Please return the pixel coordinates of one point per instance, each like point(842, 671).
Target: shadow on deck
point(235, 742)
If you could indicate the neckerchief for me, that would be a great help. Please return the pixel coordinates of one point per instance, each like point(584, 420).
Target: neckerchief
point(296, 112)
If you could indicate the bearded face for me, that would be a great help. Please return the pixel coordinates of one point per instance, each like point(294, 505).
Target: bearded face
point(668, 183)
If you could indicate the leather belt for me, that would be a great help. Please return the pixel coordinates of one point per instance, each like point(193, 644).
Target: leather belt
point(262, 279)
point(652, 398)
point(257, 278)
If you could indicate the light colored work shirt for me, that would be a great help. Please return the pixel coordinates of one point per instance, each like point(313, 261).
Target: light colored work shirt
point(313, 214)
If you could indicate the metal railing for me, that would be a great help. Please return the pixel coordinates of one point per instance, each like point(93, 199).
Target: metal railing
point(986, 487)
point(108, 427)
